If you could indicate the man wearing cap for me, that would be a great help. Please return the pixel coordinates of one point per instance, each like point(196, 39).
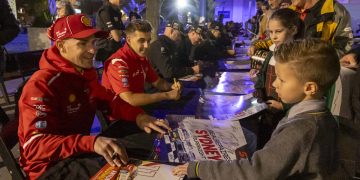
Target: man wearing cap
point(219, 40)
point(163, 55)
point(58, 104)
point(193, 38)
point(128, 69)
point(108, 18)
point(64, 8)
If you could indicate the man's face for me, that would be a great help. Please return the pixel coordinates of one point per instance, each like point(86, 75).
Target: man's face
point(60, 11)
point(288, 87)
point(79, 52)
point(259, 4)
point(274, 4)
point(284, 5)
point(116, 2)
point(216, 33)
point(299, 3)
point(175, 35)
point(194, 37)
point(139, 42)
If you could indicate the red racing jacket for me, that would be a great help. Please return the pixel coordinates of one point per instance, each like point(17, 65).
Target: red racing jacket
point(57, 108)
point(126, 71)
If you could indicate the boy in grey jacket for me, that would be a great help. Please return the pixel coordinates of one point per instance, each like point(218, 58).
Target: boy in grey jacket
point(303, 145)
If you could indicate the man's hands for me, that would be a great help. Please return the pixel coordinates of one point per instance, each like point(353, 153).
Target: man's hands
point(180, 170)
point(174, 94)
point(149, 124)
point(349, 61)
point(176, 85)
point(112, 150)
point(196, 69)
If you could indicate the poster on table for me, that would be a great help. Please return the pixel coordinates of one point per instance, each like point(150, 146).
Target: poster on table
point(228, 107)
point(137, 170)
point(199, 139)
point(231, 83)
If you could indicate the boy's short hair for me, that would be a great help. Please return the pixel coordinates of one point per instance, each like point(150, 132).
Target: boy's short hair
point(311, 60)
point(138, 25)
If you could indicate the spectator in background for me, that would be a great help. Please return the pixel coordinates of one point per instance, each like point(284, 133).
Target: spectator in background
point(263, 20)
point(258, 14)
point(324, 19)
point(64, 8)
point(134, 15)
point(274, 4)
point(285, 3)
point(9, 29)
point(108, 18)
point(351, 59)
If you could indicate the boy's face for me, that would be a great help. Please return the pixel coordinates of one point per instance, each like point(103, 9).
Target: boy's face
point(287, 85)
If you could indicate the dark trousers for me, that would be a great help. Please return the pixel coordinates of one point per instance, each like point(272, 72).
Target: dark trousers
point(138, 145)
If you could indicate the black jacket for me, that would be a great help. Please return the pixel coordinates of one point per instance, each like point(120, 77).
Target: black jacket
point(9, 27)
point(165, 60)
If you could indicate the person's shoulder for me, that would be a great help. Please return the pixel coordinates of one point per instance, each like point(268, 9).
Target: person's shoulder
point(41, 79)
point(118, 59)
point(312, 121)
point(44, 75)
point(340, 9)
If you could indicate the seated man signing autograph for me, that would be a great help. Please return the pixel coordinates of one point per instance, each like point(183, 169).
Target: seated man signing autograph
point(128, 69)
point(58, 104)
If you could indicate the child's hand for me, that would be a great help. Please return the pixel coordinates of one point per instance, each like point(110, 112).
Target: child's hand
point(272, 104)
point(180, 170)
point(251, 51)
point(253, 73)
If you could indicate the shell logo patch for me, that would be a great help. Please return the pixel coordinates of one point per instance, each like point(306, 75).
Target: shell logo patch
point(72, 98)
point(86, 21)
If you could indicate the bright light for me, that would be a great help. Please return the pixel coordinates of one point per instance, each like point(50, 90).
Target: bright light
point(181, 4)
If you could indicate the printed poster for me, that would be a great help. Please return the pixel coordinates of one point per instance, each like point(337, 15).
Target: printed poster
point(201, 139)
point(141, 170)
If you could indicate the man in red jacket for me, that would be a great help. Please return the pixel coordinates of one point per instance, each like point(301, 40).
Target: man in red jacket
point(58, 104)
point(128, 69)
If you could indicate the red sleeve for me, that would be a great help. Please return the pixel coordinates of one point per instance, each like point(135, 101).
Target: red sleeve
point(117, 108)
point(38, 122)
point(151, 75)
point(118, 75)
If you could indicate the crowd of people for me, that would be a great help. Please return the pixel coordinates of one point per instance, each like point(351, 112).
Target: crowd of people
point(306, 41)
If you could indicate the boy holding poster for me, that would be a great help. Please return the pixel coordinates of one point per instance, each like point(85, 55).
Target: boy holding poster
point(303, 145)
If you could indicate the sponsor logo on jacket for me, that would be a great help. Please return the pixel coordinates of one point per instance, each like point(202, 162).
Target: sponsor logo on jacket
point(41, 124)
point(73, 108)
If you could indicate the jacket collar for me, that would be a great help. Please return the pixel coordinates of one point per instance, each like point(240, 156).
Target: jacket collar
point(130, 53)
point(326, 7)
point(307, 106)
